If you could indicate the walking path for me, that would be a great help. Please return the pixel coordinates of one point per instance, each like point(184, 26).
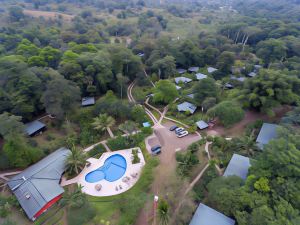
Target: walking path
point(5, 174)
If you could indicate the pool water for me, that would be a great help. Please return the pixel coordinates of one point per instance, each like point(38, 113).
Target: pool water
point(113, 169)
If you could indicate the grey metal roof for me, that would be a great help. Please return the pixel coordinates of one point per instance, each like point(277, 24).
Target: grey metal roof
point(191, 95)
point(186, 106)
point(267, 132)
point(229, 86)
point(39, 183)
point(257, 67)
point(252, 74)
point(205, 215)
point(211, 69)
point(238, 166)
point(181, 71)
point(178, 87)
point(202, 124)
point(200, 76)
point(141, 54)
point(88, 101)
point(182, 79)
point(34, 126)
point(241, 79)
point(193, 69)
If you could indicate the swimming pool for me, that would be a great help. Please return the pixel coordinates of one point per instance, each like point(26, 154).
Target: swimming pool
point(113, 169)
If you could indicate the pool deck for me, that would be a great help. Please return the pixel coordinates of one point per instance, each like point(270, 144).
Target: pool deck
point(128, 180)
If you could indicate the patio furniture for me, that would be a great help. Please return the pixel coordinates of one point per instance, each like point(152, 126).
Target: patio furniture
point(98, 187)
point(116, 188)
point(120, 186)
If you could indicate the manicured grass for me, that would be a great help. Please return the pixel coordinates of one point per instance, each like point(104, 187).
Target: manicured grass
point(123, 208)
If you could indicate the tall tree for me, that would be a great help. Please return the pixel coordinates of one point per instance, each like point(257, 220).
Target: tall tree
point(104, 122)
point(10, 124)
point(61, 97)
point(165, 92)
point(76, 161)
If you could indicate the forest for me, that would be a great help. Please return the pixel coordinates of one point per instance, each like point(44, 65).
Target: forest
point(54, 53)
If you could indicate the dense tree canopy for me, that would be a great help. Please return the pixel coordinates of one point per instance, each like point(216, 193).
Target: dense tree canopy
point(265, 197)
point(164, 92)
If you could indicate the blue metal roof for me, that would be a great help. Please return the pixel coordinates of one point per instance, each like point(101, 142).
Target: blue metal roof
point(88, 101)
point(267, 132)
point(182, 79)
point(238, 166)
point(186, 106)
point(146, 124)
point(200, 76)
point(34, 126)
point(202, 124)
point(205, 215)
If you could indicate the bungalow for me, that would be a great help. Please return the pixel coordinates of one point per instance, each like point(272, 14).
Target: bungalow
point(181, 71)
point(238, 166)
point(177, 87)
point(257, 67)
point(191, 96)
point(211, 69)
point(267, 132)
point(88, 101)
point(186, 107)
point(205, 215)
point(228, 86)
point(34, 128)
point(183, 80)
point(240, 79)
point(193, 69)
point(200, 76)
point(202, 125)
point(140, 54)
point(37, 187)
point(252, 74)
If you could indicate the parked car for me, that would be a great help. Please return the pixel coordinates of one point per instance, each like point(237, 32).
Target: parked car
point(182, 134)
point(156, 149)
point(172, 128)
point(179, 129)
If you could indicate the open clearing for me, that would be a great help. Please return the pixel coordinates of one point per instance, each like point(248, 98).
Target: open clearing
point(48, 15)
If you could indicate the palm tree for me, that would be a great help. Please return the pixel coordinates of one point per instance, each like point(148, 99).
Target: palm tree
point(163, 212)
point(247, 143)
point(75, 162)
point(128, 127)
point(74, 199)
point(103, 123)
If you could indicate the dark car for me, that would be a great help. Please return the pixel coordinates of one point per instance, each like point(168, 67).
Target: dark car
point(172, 128)
point(156, 149)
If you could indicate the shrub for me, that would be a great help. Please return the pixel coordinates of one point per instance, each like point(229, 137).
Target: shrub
point(97, 151)
point(135, 155)
point(82, 215)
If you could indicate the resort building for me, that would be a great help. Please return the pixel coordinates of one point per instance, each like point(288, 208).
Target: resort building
point(200, 76)
point(205, 215)
point(178, 87)
point(88, 101)
point(182, 80)
point(193, 69)
point(34, 128)
point(191, 96)
point(238, 166)
point(181, 71)
point(202, 125)
point(267, 132)
point(37, 188)
point(187, 107)
point(252, 74)
point(211, 69)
